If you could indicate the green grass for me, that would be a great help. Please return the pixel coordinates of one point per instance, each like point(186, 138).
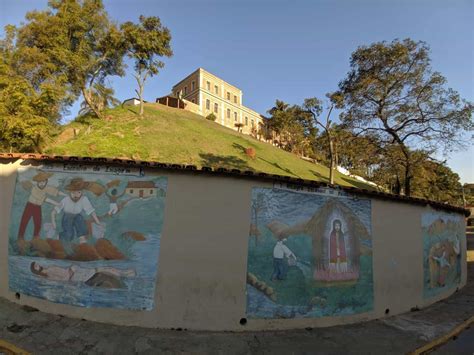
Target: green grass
point(170, 135)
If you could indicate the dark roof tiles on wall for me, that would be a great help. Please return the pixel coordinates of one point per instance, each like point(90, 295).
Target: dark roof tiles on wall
point(231, 173)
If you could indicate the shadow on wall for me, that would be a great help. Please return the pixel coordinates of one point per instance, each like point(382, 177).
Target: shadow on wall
point(225, 161)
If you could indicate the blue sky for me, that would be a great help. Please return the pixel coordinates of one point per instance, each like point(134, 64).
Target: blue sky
point(292, 50)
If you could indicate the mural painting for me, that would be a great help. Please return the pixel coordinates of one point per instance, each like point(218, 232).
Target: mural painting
point(87, 237)
point(310, 254)
point(442, 236)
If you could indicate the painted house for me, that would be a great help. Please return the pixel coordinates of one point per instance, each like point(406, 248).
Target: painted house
point(141, 189)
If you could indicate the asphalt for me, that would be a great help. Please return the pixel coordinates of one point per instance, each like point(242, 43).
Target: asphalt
point(42, 333)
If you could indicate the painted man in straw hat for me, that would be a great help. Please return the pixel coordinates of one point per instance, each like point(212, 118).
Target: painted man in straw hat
point(39, 195)
point(73, 223)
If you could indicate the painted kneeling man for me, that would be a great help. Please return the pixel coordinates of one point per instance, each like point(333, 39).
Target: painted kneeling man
point(73, 223)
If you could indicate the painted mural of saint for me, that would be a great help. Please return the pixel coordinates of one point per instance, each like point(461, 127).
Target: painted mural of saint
point(337, 248)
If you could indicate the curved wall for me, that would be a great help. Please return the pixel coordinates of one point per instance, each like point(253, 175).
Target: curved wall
point(204, 254)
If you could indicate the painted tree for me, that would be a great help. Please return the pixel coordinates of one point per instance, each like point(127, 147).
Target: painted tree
point(392, 92)
point(145, 43)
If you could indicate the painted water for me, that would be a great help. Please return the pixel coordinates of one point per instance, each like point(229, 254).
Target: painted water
point(138, 294)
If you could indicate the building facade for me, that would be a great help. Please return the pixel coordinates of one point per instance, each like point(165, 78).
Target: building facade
point(214, 95)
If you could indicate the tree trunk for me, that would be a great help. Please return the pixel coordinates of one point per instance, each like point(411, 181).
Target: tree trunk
point(408, 179)
point(140, 96)
point(408, 168)
point(331, 157)
point(87, 93)
point(398, 186)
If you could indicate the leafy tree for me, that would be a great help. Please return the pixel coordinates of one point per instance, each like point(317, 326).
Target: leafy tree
point(360, 155)
point(313, 106)
point(23, 125)
point(239, 126)
point(292, 127)
point(73, 44)
point(211, 117)
point(27, 113)
point(436, 181)
point(101, 98)
point(145, 43)
point(392, 92)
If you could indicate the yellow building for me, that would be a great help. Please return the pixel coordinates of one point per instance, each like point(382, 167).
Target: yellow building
point(211, 94)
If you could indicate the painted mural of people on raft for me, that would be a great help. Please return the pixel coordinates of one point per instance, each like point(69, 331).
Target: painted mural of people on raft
point(81, 238)
point(310, 254)
point(443, 234)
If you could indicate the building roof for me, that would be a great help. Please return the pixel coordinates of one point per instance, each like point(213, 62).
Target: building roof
point(141, 184)
point(209, 73)
point(234, 173)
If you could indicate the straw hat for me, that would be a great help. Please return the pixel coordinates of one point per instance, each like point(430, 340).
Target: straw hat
point(42, 176)
point(77, 184)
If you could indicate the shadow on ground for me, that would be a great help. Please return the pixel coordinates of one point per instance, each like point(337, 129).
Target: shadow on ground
point(320, 176)
point(225, 161)
point(358, 184)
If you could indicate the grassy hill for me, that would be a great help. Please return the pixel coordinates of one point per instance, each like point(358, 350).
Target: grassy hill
point(176, 136)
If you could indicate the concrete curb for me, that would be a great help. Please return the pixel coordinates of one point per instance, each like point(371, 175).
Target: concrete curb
point(10, 349)
point(443, 339)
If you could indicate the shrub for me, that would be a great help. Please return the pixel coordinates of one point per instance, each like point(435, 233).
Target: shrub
point(211, 117)
point(251, 153)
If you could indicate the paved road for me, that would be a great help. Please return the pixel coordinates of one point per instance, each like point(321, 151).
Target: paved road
point(463, 344)
point(43, 333)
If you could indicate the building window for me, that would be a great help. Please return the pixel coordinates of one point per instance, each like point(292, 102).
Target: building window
point(131, 191)
point(216, 89)
point(253, 123)
point(235, 116)
point(235, 99)
point(208, 104)
point(228, 113)
point(246, 121)
point(193, 101)
point(185, 90)
point(216, 107)
point(151, 192)
point(228, 96)
point(193, 85)
point(208, 85)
